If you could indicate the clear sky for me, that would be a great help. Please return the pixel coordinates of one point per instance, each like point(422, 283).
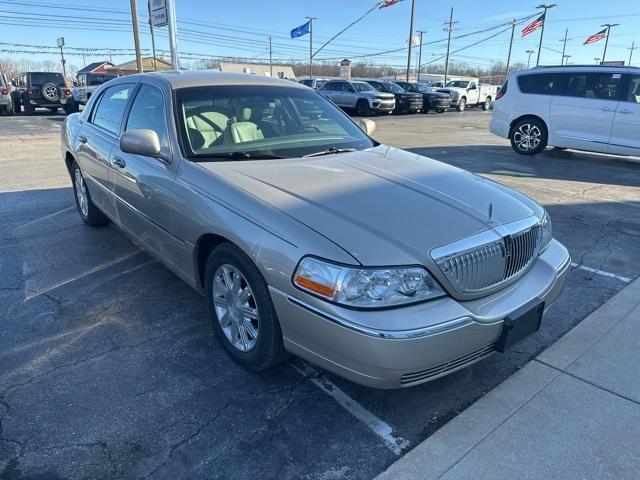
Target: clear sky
point(241, 28)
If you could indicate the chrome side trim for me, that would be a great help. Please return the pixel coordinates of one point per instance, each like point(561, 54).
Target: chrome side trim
point(388, 334)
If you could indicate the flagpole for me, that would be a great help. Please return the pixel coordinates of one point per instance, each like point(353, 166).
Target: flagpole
point(545, 7)
point(311, 19)
point(606, 42)
point(513, 31)
point(413, 7)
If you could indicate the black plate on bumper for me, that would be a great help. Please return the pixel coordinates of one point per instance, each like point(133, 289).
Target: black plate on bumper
point(520, 324)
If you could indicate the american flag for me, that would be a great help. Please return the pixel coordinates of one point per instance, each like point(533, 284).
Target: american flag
point(533, 26)
point(596, 37)
point(388, 3)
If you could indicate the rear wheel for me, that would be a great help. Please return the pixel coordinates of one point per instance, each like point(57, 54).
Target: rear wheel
point(70, 107)
point(241, 309)
point(28, 108)
point(89, 213)
point(487, 104)
point(529, 136)
point(362, 108)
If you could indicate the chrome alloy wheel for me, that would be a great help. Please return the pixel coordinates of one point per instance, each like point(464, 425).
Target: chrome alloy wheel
point(81, 193)
point(527, 137)
point(236, 307)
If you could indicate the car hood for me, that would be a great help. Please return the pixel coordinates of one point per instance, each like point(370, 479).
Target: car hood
point(382, 205)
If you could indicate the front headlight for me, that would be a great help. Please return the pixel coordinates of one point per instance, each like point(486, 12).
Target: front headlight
point(547, 232)
point(365, 287)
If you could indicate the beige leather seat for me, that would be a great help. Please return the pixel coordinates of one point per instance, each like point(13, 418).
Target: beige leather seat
point(205, 127)
point(243, 131)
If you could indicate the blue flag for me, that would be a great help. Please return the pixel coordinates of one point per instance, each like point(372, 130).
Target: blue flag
point(301, 30)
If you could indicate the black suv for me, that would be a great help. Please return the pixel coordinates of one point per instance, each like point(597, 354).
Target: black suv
point(406, 102)
point(432, 100)
point(40, 89)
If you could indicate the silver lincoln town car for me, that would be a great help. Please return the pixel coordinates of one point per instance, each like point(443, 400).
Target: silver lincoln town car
point(307, 236)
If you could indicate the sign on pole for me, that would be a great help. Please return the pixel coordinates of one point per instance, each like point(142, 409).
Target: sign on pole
point(159, 17)
point(60, 42)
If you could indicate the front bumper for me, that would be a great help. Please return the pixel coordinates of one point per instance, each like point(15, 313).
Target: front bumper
point(446, 335)
point(440, 103)
point(383, 106)
point(409, 105)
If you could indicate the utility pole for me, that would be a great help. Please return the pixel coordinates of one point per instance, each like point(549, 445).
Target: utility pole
point(564, 44)
point(597, 59)
point(136, 34)
point(633, 47)
point(529, 60)
point(173, 34)
point(513, 31)
point(153, 40)
point(606, 42)
point(449, 28)
point(545, 7)
point(270, 59)
point(563, 59)
point(421, 32)
point(311, 19)
point(413, 8)
point(60, 42)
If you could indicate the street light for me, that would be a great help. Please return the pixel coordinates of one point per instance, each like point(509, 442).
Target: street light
point(545, 7)
point(529, 60)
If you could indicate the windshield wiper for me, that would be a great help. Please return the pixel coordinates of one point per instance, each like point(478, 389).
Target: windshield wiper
point(330, 151)
point(245, 156)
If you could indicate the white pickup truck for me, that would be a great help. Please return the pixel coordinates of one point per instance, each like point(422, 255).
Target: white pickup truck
point(470, 93)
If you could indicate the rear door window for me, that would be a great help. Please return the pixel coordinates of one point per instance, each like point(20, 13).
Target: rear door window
point(40, 78)
point(601, 86)
point(108, 113)
point(633, 92)
point(540, 83)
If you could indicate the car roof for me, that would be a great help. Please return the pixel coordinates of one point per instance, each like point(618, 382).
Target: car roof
point(204, 78)
point(583, 68)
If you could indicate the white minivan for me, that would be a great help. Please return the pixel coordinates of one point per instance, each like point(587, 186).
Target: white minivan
point(592, 108)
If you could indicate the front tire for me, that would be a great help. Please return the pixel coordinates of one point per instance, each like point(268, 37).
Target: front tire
point(363, 109)
point(241, 309)
point(89, 213)
point(529, 136)
point(462, 105)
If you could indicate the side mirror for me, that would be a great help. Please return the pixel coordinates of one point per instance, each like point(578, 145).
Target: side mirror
point(141, 142)
point(367, 126)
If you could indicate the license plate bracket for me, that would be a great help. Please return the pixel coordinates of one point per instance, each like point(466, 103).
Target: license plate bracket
point(521, 323)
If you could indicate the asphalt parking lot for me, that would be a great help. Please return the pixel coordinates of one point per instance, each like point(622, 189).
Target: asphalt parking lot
point(109, 367)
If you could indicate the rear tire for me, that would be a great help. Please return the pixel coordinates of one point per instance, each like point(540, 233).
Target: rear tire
point(234, 286)
point(28, 108)
point(487, 104)
point(363, 109)
point(529, 136)
point(89, 213)
point(70, 107)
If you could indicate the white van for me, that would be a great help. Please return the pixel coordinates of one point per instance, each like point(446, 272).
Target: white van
point(592, 108)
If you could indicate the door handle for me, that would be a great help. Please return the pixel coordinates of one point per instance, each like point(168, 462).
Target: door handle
point(119, 162)
point(82, 139)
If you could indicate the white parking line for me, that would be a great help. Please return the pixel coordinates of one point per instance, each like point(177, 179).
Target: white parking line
point(601, 272)
point(382, 429)
point(81, 275)
point(45, 217)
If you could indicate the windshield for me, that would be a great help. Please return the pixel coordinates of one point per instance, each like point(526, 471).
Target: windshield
point(458, 84)
point(362, 87)
point(392, 88)
point(422, 88)
point(247, 121)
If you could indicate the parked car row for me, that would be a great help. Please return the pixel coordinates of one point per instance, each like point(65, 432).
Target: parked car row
point(377, 96)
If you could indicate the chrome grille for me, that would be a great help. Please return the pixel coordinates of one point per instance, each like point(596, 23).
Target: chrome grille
point(489, 260)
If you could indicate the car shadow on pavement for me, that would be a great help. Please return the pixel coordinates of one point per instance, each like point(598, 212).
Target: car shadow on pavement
point(569, 165)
